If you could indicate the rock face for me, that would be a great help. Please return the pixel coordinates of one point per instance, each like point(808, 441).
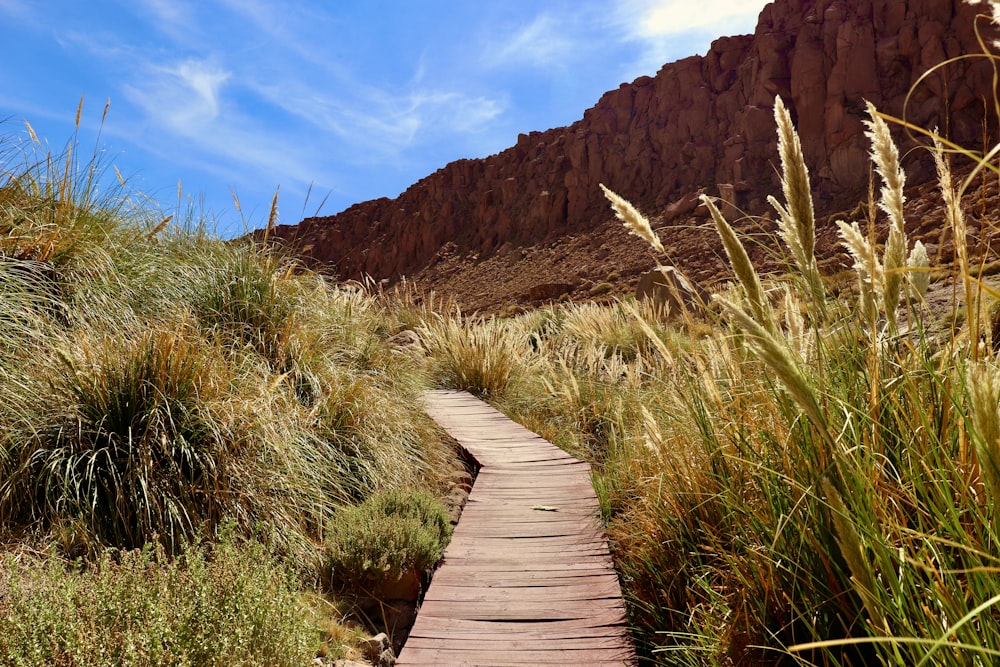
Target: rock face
point(702, 123)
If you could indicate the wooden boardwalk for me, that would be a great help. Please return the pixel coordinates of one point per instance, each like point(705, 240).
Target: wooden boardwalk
point(527, 578)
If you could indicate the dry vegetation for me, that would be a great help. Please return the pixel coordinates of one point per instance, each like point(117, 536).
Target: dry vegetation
point(186, 425)
point(796, 478)
point(203, 434)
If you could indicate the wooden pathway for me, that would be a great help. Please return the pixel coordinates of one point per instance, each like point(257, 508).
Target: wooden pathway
point(527, 578)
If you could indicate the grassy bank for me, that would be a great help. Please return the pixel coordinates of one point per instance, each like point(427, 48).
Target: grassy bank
point(161, 389)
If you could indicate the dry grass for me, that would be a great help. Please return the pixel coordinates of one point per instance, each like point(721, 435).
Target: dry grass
point(797, 483)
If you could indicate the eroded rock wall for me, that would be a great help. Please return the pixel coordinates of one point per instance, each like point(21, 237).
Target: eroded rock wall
point(702, 123)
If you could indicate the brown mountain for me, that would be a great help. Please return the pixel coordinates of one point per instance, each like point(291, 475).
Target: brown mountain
point(530, 223)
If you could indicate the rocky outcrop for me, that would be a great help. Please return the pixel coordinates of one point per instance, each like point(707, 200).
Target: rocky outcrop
point(701, 124)
point(670, 291)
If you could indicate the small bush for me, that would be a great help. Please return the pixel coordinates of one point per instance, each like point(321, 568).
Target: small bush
point(389, 535)
point(232, 606)
point(601, 288)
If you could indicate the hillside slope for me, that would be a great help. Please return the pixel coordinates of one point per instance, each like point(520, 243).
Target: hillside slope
point(530, 222)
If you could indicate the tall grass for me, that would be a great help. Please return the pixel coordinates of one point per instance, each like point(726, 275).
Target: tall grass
point(157, 385)
point(803, 481)
point(487, 358)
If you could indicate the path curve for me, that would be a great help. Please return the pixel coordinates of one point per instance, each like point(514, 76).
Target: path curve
point(528, 578)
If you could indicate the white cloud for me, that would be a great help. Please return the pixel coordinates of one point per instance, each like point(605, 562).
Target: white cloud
point(184, 96)
point(654, 19)
point(672, 29)
point(543, 43)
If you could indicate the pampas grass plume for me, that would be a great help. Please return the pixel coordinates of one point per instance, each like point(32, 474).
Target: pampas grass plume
point(952, 206)
point(635, 222)
point(798, 223)
point(742, 267)
point(871, 275)
point(886, 158)
point(777, 356)
point(919, 264)
point(984, 402)
point(853, 552)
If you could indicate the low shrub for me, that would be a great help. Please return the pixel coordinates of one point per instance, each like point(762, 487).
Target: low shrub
point(388, 536)
point(231, 605)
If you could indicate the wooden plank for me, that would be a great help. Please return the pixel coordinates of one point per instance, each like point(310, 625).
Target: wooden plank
point(541, 535)
point(519, 584)
point(520, 580)
point(524, 611)
point(474, 656)
point(492, 630)
point(585, 626)
point(538, 561)
point(565, 592)
point(517, 644)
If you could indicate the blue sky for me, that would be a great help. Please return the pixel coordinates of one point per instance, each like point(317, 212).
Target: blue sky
point(358, 99)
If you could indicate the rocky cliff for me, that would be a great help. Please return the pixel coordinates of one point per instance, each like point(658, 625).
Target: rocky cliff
point(701, 124)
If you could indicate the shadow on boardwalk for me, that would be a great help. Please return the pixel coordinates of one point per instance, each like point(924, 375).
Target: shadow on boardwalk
point(527, 578)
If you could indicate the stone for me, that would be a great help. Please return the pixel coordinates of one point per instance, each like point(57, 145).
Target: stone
point(373, 647)
point(548, 291)
point(461, 479)
point(455, 502)
point(407, 341)
point(668, 289)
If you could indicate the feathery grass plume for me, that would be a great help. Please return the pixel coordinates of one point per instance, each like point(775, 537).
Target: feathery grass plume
point(871, 276)
point(919, 264)
point(983, 380)
point(959, 231)
point(652, 437)
point(797, 222)
point(633, 221)
point(272, 218)
point(891, 199)
point(742, 267)
point(775, 353)
point(795, 324)
point(853, 552)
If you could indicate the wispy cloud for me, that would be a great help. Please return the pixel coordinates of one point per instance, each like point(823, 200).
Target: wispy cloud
point(376, 123)
point(165, 12)
point(182, 96)
point(543, 43)
point(23, 12)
